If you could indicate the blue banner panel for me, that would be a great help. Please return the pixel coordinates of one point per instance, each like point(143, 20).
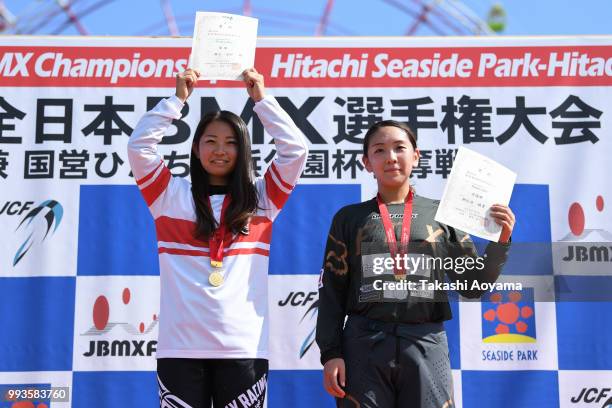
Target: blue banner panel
point(300, 231)
point(37, 316)
point(509, 389)
point(298, 389)
point(584, 329)
point(114, 389)
point(116, 233)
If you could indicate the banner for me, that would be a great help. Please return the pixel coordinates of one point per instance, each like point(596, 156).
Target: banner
point(79, 276)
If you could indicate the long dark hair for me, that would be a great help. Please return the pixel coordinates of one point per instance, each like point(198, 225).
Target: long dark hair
point(384, 123)
point(241, 187)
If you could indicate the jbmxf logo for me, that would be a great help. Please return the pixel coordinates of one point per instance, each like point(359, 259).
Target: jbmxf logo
point(587, 248)
point(509, 317)
point(122, 346)
point(116, 323)
point(51, 212)
point(586, 253)
point(577, 222)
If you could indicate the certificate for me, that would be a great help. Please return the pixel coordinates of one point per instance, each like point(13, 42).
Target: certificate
point(223, 45)
point(475, 183)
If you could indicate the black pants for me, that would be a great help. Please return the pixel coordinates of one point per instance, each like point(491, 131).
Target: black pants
point(198, 383)
point(396, 365)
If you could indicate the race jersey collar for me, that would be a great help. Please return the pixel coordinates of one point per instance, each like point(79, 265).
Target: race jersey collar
point(215, 190)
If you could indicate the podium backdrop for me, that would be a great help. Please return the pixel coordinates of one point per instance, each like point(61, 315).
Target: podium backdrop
point(79, 280)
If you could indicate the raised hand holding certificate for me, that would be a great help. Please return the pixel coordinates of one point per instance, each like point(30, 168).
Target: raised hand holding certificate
point(223, 45)
point(475, 183)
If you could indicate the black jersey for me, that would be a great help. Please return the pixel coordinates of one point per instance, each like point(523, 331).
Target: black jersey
point(357, 236)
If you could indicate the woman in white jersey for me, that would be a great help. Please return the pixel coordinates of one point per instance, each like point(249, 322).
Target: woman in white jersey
point(213, 243)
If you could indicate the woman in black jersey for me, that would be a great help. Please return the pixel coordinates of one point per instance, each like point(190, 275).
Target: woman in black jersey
point(393, 351)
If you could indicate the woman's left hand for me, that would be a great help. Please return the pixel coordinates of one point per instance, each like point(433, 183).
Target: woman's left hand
point(503, 216)
point(254, 84)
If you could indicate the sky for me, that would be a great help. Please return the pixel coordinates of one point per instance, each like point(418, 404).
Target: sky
point(301, 17)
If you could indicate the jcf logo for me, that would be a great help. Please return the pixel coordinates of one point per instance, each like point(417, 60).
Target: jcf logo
point(594, 395)
point(50, 211)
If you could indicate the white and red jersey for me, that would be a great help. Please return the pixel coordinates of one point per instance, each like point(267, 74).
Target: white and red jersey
point(197, 320)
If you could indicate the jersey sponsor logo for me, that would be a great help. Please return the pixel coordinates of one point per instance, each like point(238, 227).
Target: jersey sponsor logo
point(395, 216)
point(367, 293)
point(167, 399)
point(252, 397)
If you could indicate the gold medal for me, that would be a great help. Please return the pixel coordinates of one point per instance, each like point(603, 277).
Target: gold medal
point(400, 277)
point(216, 278)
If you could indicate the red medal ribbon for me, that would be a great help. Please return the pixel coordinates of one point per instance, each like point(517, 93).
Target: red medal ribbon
point(217, 238)
point(390, 232)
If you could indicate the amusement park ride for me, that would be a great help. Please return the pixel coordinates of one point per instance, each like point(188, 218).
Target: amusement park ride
point(435, 17)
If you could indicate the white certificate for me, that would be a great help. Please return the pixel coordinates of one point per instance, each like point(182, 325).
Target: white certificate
point(475, 183)
point(223, 45)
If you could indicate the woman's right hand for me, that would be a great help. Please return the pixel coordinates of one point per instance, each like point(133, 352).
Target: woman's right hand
point(334, 377)
point(185, 82)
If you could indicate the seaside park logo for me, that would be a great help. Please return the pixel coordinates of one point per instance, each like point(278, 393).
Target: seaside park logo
point(509, 317)
point(36, 225)
point(126, 338)
point(583, 250)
